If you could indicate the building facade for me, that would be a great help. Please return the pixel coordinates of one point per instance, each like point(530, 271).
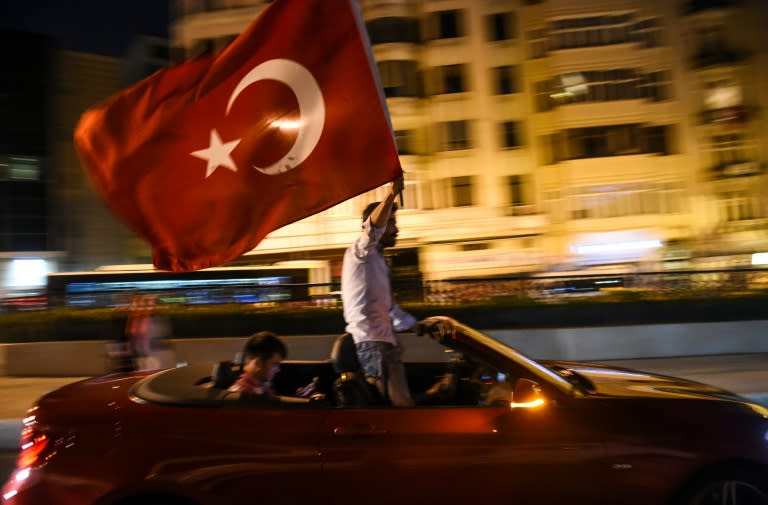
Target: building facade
point(25, 251)
point(86, 233)
point(552, 134)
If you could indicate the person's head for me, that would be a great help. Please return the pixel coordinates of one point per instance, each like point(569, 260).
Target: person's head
point(262, 355)
point(389, 238)
point(142, 303)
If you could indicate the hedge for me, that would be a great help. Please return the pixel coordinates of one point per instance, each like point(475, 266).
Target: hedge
point(240, 319)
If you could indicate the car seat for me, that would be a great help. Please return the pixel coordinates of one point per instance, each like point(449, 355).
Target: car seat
point(352, 389)
point(225, 373)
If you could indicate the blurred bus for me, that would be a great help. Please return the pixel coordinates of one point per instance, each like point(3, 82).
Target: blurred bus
point(113, 285)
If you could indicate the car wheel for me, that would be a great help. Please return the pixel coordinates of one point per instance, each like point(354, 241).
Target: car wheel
point(729, 489)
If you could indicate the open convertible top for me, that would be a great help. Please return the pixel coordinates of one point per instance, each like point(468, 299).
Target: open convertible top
point(193, 385)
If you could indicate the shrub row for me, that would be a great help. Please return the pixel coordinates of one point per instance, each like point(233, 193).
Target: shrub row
point(241, 320)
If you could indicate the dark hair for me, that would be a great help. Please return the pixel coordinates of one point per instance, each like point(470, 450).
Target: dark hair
point(263, 345)
point(371, 207)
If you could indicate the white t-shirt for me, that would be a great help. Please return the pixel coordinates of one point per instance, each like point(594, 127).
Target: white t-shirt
point(366, 294)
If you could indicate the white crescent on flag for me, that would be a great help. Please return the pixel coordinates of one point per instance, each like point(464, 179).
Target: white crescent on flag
point(311, 108)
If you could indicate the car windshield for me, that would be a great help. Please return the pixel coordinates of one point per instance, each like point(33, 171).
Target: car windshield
point(534, 367)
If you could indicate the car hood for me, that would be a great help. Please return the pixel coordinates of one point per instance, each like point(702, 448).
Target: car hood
point(86, 398)
point(625, 382)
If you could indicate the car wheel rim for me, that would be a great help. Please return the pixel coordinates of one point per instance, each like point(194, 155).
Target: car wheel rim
point(731, 492)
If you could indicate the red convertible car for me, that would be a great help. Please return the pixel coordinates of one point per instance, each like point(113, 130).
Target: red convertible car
point(490, 426)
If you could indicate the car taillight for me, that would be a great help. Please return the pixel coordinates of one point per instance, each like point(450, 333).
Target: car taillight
point(33, 445)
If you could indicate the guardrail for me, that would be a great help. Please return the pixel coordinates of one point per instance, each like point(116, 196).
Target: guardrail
point(536, 286)
point(551, 286)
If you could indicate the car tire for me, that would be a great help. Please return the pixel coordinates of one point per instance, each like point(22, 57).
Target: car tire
point(741, 487)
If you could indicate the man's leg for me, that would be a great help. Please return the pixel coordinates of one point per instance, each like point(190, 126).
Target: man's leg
point(371, 358)
point(397, 382)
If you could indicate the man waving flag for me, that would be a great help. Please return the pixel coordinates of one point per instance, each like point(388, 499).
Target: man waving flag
point(204, 159)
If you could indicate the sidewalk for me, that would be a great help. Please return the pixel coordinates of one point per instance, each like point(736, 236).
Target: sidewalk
point(745, 374)
point(17, 394)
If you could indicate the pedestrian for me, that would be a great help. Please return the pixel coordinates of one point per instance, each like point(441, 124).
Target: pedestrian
point(371, 315)
point(145, 330)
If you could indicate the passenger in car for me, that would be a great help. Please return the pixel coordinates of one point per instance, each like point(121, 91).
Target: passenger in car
point(261, 361)
point(370, 312)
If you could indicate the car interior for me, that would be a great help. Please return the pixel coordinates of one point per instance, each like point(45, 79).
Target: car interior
point(462, 381)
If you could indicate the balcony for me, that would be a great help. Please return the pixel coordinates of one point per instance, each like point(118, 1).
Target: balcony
point(730, 117)
point(737, 168)
point(720, 55)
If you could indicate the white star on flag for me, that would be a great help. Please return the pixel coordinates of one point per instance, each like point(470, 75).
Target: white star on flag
point(217, 154)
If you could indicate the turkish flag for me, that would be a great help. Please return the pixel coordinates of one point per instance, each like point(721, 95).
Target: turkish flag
point(204, 159)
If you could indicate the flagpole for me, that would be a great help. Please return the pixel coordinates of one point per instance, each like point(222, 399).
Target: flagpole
point(375, 71)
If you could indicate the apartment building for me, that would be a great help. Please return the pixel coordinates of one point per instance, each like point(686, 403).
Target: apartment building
point(25, 252)
point(83, 230)
point(552, 134)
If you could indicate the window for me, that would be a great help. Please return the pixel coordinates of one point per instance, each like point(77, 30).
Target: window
point(403, 141)
point(729, 149)
point(23, 168)
point(454, 135)
point(501, 26)
point(445, 25)
point(515, 186)
point(740, 206)
point(450, 79)
point(400, 78)
point(714, 48)
point(393, 29)
point(733, 156)
point(659, 140)
point(615, 140)
point(592, 31)
point(597, 86)
point(623, 139)
point(461, 191)
point(647, 32)
point(475, 246)
point(630, 199)
point(511, 135)
point(603, 85)
point(660, 86)
point(505, 79)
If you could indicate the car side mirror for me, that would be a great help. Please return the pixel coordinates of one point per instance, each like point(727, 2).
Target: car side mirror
point(526, 394)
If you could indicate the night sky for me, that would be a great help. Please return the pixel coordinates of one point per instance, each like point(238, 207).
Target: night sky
point(103, 27)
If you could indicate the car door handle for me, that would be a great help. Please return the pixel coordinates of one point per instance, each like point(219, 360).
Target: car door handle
point(358, 430)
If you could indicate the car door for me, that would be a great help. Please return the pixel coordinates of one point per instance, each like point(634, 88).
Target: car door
point(385, 455)
point(269, 453)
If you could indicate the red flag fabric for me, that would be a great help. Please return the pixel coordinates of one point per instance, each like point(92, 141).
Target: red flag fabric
point(204, 159)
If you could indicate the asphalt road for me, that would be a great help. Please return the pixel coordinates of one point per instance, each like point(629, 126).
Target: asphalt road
point(7, 460)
